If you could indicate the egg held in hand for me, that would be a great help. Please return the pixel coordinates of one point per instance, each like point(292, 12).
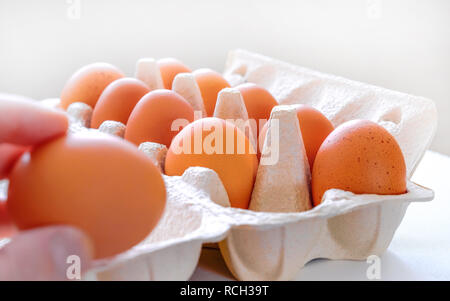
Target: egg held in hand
point(87, 84)
point(158, 117)
point(359, 156)
point(118, 100)
point(219, 145)
point(96, 182)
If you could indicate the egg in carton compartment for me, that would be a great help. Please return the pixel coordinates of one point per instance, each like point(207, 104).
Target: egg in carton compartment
point(259, 245)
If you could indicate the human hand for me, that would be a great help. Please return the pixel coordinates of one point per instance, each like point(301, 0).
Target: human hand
point(38, 254)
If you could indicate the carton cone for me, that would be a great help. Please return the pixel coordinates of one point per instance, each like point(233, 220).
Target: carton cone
point(112, 127)
point(283, 184)
point(230, 106)
point(185, 85)
point(147, 70)
point(156, 152)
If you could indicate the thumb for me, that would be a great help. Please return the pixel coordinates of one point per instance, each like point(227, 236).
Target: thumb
point(41, 254)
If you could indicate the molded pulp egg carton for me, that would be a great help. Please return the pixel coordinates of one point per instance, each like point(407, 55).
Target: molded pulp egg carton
point(265, 245)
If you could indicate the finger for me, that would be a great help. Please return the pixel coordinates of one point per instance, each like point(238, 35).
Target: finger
point(42, 254)
point(9, 154)
point(25, 122)
point(6, 226)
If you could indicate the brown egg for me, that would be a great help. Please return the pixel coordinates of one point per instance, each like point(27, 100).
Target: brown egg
point(315, 128)
point(359, 156)
point(210, 83)
point(152, 119)
point(118, 101)
point(88, 83)
point(215, 143)
point(99, 183)
point(169, 68)
point(258, 102)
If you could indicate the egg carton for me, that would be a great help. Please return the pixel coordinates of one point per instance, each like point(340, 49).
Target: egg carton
point(266, 245)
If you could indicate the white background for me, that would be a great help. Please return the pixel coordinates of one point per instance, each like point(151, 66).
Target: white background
point(398, 44)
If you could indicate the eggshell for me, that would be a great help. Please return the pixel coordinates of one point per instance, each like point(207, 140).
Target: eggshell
point(362, 157)
point(118, 100)
point(152, 120)
point(169, 68)
point(101, 184)
point(258, 101)
point(87, 84)
point(210, 83)
point(236, 168)
point(315, 127)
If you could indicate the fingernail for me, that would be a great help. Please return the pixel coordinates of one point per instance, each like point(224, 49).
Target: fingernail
point(65, 244)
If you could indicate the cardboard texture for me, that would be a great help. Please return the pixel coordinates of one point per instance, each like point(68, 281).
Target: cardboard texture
point(230, 106)
point(114, 128)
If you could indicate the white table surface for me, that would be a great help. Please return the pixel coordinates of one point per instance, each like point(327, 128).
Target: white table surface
point(420, 249)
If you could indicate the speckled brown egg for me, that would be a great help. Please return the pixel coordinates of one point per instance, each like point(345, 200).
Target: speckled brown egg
point(359, 156)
